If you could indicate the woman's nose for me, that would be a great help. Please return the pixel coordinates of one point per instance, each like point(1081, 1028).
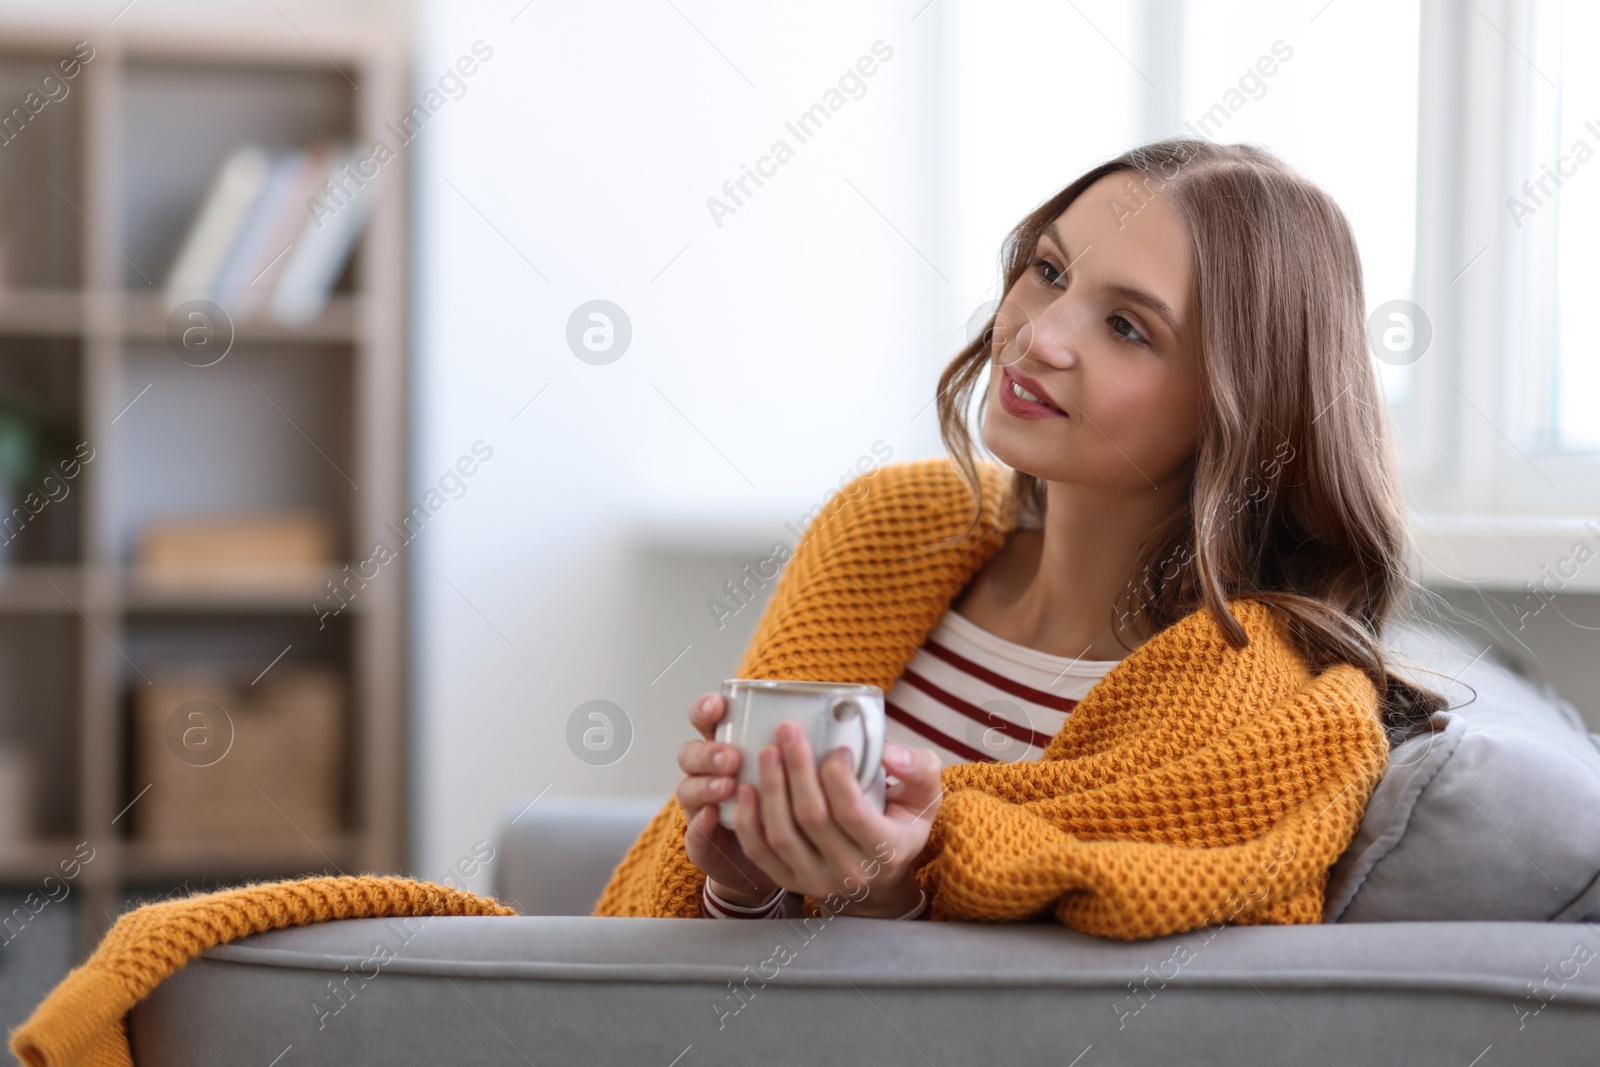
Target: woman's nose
point(1052, 334)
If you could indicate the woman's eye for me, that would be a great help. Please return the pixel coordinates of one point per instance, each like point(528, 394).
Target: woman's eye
point(1044, 270)
point(1135, 338)
point(1048, 274)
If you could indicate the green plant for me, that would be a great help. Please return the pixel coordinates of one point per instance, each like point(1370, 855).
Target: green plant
point(30, 439)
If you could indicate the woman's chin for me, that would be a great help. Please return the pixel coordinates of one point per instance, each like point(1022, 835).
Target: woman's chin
point(1025, 456)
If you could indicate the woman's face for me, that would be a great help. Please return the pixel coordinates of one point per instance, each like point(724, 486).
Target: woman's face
point(1100, 324)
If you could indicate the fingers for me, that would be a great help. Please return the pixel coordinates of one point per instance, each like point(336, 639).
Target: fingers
point(698, 791)
point(708, 757)
point(753, 839)
point(861, 827)
point(807, 826)
point(816, 811)
point(706, 713)
point(722, 862)
point(780, 833)
point(910, 764)
point(708, 767)
point(766, 827)
point(708, 822)
point(921, 784)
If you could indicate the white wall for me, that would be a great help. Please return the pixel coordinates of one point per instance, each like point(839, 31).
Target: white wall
point(767, 355)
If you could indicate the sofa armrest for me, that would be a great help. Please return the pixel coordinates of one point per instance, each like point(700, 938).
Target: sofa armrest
point(585, 989)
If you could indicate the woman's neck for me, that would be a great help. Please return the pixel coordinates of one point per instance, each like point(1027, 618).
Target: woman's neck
point(1054, 589)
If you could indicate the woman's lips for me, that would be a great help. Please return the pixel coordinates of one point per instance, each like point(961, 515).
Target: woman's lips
point(1025, 409)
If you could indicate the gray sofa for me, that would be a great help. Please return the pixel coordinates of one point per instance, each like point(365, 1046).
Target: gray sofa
point(1459, 930)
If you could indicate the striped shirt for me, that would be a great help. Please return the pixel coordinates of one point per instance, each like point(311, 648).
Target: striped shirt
point(974, 697)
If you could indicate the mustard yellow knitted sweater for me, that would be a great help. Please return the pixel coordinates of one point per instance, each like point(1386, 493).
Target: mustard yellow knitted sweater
point(82, 1021)
point(1194, 785)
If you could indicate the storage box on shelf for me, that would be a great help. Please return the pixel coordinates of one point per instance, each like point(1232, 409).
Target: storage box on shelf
point(225, 558)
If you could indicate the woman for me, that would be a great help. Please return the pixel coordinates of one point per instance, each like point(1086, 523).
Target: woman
point(1181, 389)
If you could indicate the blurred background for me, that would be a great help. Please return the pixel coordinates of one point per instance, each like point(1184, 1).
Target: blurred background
point(400, 403)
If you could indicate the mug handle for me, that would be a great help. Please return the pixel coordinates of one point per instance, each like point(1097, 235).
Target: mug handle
point(871, 748)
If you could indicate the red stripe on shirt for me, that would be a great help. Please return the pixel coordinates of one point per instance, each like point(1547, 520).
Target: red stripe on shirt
point(1000, 681)
point(938, 737)
point(1015, 731)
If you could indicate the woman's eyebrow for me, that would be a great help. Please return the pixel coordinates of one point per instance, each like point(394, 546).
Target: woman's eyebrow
point(1127, 292)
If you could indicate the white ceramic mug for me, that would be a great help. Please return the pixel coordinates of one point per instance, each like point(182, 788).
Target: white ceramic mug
point(829, 714)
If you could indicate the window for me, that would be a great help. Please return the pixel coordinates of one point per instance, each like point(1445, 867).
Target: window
point(1577, 206)
point(1354, 136)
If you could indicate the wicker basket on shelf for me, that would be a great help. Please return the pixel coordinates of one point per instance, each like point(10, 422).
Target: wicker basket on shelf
point(234, 762)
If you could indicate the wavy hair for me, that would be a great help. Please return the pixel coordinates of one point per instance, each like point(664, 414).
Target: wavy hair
point(1295, 499)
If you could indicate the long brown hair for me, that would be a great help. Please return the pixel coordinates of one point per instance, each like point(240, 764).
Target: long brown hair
point(1295, 500)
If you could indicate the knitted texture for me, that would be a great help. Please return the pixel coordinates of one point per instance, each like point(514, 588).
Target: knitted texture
point(1196, 784)
point(83, 1020)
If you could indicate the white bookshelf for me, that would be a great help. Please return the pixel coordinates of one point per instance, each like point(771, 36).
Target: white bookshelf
point(95, 193)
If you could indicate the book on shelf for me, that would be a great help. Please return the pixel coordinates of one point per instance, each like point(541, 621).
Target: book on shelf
point(273, 233)
point(243, 282)
point(212, 233)
point(325, 243)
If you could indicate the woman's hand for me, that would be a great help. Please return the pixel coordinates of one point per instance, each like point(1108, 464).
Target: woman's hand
point(813, 830)
point(709, 766)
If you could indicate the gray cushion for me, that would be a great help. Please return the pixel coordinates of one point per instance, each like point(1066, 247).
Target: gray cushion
point(1495, 818)
point(557, 851)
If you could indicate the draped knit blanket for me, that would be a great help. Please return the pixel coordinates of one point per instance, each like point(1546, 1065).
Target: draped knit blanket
point(83, 1021)
point(1194, 785)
